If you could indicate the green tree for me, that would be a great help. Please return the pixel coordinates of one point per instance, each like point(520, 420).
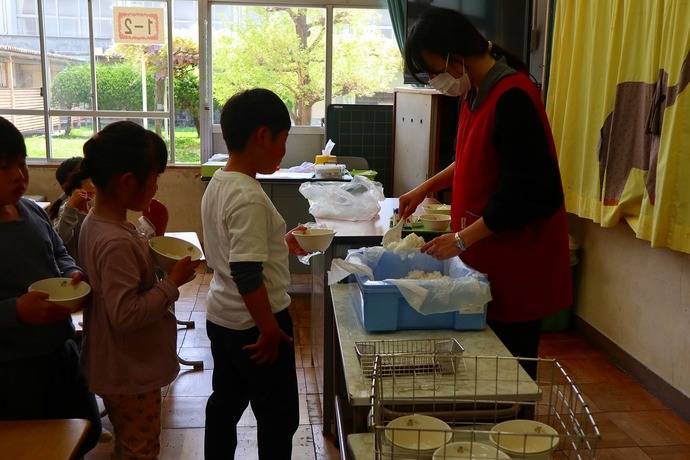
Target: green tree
point(364, 61)
point(71, 86)
point(283, 49)
point(119, 87)
point(185, 58)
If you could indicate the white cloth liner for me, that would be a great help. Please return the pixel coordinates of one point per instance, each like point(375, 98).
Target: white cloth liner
point(465, 290)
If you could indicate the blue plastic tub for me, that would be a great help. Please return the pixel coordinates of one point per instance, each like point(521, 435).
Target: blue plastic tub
point(381, 307)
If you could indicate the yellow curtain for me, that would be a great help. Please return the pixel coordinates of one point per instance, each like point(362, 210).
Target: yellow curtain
point(619, 105)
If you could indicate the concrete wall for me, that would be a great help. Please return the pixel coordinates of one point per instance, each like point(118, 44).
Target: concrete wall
point(636, 296)
point(179, 187)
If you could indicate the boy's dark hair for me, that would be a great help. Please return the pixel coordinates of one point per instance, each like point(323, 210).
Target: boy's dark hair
point(247, 111)
point(122, 147)
point(12, 144)
point(69, 177)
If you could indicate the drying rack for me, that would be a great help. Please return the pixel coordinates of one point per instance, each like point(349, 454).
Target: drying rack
point(403, 357)
point(484, 391)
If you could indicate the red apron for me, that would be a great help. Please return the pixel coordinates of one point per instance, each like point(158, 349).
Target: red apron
point(529, 269)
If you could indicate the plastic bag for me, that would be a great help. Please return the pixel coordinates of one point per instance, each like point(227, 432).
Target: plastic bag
point(354, 200)
point(464, 289)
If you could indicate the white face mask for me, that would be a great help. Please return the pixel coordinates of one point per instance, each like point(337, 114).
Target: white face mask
point(449, 85)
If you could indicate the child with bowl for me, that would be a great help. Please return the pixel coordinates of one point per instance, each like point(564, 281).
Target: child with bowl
point(247, 318)
point(39, 361)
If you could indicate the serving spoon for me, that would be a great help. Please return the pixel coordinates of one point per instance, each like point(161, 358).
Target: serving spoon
point(393, 235)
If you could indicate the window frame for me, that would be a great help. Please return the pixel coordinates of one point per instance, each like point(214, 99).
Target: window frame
point(206, 92)
point(207, 127)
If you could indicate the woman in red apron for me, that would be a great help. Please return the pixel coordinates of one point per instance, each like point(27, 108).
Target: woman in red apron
point(507, 210)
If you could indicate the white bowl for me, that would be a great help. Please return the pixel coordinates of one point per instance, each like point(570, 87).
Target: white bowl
point(314, 239)
point(436, 209)
point(471, 450)
point(525, 439)
point(417, 434)
point(167, 250)
point(435, 222)
point(62, 292)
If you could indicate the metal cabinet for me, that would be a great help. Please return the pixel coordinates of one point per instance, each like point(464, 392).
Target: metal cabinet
point(425, 126)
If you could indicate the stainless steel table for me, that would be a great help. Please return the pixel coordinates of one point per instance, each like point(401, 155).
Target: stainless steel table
point(349, 234)
point(352, 390)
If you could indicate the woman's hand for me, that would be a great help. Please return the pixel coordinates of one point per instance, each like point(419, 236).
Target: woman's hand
point(442, 247)
point(407, 203)
point(293, 245)
point(34, 308)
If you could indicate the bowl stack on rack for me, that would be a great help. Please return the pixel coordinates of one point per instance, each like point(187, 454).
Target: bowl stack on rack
point(432, 401)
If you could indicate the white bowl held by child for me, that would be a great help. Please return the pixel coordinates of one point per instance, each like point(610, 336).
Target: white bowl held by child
point(314, 239)
point(62, 292)
point(167, 250)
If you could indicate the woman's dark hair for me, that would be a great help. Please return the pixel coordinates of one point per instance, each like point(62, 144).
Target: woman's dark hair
point(442, 31)
point(69, 177)
point(244, 112)
point(12, 144)
point(123, 147)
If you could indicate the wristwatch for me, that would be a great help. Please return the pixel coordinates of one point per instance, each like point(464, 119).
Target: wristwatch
point(459, 242)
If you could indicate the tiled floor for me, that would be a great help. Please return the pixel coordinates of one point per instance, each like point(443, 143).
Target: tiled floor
point(634, 424)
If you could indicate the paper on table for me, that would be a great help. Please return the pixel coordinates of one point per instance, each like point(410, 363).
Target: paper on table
point(341, 269)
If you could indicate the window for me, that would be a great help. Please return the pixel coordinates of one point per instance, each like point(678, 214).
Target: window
point(366, 60)
point(278, 45)
point(131, 80)
point(279, 48)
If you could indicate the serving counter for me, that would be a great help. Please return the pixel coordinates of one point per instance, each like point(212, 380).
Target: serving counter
point(349, 234)
point(352, 389)
point(335, 326)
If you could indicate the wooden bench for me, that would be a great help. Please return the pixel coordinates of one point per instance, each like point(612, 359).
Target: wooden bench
point(56, 439)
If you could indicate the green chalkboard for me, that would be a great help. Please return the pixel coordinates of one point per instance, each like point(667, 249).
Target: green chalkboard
point(364, 131)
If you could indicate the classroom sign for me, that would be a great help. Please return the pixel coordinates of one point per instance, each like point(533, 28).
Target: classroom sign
point(141, 26)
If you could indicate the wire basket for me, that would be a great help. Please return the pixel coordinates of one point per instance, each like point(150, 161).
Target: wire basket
point(405, 357)
point(492, 390)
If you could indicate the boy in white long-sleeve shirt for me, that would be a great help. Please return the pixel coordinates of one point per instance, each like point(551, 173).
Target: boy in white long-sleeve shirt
point(247, 319)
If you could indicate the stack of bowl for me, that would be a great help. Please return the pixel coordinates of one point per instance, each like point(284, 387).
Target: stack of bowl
point(416, 436)
point(436, 209)
point(527, 439)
